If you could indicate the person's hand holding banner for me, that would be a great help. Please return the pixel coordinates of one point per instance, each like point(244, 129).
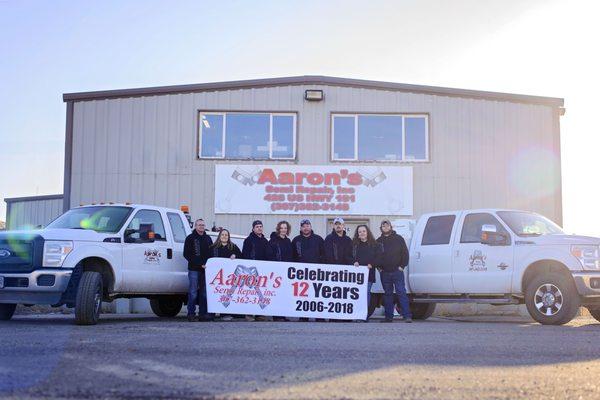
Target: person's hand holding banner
point(288, 289)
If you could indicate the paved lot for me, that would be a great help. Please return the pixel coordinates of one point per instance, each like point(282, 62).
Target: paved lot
point(143, 357)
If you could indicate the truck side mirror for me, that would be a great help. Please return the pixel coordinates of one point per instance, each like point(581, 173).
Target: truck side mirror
point(491, 237)
point(146, 234)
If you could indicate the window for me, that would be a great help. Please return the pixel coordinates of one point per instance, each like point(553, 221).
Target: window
point(259, 136)
point(177, 227)
point(100, 218)
point(438, 230)
point(471, 231)
point(371, 137)
point(526, 224)
point(148, 217)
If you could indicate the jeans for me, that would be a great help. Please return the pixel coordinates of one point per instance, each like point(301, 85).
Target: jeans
point(197, 293)
point(369, 286)
point(389, 280)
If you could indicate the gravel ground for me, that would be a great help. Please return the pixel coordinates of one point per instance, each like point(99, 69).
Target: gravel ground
point(134, 357)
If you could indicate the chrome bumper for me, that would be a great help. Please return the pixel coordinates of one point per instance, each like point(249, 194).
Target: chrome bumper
point(34, 294)
point(583, 281)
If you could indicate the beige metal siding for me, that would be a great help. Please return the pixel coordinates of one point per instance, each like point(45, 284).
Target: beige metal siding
point(483, 153)
point(27, 214)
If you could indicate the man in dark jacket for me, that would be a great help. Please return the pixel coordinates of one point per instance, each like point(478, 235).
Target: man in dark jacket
point(196, 251)
point(393, 262)
point(308, 247)
point(338, 246)
point(256, 247)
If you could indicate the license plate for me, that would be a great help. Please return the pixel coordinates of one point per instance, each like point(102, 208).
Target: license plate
point(1, 282)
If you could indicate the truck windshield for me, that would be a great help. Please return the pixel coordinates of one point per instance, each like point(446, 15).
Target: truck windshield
point(99, 219)
point(529, 224)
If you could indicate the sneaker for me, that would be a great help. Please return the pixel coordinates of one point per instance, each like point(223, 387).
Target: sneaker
point(250, 318)
point(227, 318)
point(261, 318)
point(387, 320)
point(408, 320)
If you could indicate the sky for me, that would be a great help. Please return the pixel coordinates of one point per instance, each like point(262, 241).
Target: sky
point(538, 47)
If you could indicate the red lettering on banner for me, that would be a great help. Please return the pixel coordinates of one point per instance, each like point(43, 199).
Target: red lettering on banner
point(218, 277)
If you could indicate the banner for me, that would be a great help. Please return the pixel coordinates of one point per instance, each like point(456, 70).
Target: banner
point(313, 189)
point(286, 289)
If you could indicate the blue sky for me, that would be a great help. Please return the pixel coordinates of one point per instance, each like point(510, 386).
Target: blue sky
point(48, 48)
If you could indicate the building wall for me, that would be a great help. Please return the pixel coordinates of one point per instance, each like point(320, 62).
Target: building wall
point(30, 212)
point(483, 153)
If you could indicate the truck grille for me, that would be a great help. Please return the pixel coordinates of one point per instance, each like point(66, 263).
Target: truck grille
point(19, 253)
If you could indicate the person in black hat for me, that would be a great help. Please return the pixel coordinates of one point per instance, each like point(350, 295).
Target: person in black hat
point(256, 247)
point(395, 259)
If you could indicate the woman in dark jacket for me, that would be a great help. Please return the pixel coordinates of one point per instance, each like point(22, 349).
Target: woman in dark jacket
point(280, 243)
point(224, 247)
point(366, 251)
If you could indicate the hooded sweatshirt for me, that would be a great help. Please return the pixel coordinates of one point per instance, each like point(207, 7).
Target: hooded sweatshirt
point(281, 248)
point(368, 253)
point(308, 249)
point(226, 252)
point(338, 249)
point(395, 252)
point(256, 248)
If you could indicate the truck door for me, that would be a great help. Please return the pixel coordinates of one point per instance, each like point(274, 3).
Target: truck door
point(179, 270)
point(480, 268)
point(146, 266)
point(430, 268)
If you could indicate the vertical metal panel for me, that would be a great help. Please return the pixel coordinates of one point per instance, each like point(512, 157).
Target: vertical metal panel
point(144, 149)
point(30, 213)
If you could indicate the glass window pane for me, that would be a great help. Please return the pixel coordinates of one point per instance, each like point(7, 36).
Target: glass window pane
point(415, 138)
point(148, 217)
point(379, 137)
point(283, 136)
point(438, 230)
point(471, 231)
point(211, 127)
point(177, 227)
point(343, 137)
point(247, 136)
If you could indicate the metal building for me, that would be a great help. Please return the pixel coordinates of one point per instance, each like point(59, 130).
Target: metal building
point(480, 149)
point(32, 212)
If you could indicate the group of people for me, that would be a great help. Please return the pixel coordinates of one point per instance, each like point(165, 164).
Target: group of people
point(388, 253)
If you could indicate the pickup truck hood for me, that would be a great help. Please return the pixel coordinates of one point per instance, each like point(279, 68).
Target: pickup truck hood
point(547, 240)
point(80, 235)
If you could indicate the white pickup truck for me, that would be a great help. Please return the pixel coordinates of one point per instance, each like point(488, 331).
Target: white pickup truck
point(98, 253)
point(500, 257)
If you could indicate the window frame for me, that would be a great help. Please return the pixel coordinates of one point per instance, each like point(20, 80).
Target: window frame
point(165, 239)
point(332, 158)
point(175, 215)
point(452, 229)
point(464, 221)
point(224, 113)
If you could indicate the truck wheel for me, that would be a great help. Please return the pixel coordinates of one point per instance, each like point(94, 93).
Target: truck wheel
point(89, 298)
point(552, 299)
point(595, 312)
point(166, 307)
point(7, 311)
point(375, 302)
point(422, 310)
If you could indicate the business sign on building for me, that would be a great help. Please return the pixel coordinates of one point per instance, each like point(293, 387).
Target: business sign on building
point(313, 189)
point(250, 287)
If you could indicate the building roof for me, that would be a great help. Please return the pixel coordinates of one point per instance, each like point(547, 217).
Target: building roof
point(316, 80)
point(33, 198)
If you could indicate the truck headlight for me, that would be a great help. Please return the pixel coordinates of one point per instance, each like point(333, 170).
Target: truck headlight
point(588, 256)
point(55, 252)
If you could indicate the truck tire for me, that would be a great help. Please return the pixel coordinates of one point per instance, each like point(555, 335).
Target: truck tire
point(422, 310)
point(552, 299)
point(88, 302)
point(376, 301)
point(595, 312)
point(166, 307)
point(7, 311)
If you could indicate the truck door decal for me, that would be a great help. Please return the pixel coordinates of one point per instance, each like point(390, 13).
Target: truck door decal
point(477, 261)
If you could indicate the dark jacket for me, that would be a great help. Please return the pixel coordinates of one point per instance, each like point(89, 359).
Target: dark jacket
point(196, 250)
point(338, 249)
point(308, 249)
point(395, 252)
point(281, 249)
point(368, 253)
point(256, 248)
point(225, 252)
